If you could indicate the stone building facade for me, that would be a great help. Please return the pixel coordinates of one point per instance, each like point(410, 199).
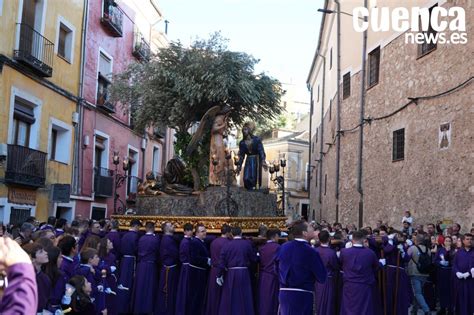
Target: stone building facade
point(418, 152)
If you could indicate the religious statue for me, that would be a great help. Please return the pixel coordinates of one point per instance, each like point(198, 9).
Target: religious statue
point(251, 147)
point(218, 150)
point(150, 186)
point(216, 119)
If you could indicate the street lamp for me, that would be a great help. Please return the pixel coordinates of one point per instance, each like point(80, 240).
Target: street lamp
point(119, 179)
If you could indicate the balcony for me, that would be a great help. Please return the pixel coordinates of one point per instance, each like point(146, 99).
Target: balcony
point(141, 49)
point(103, 95)
point(103, 182)
point(159, 132)
point(25, 166)
point(112, 18)
point(34, 50)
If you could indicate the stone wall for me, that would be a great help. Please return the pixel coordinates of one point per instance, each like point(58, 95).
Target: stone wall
point(433, 183)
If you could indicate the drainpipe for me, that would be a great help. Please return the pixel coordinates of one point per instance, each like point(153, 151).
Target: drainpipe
point(321, 143)
point(338, 109)
point(309, 168)
point(78, 151)
point(361, 128)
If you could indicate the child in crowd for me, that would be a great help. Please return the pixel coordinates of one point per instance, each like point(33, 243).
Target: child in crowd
point(39, 257)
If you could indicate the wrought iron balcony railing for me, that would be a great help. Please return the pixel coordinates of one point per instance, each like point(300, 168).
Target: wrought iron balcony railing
point(103, 182)
point(112, 18)
point(25, 166)
point(141, 49)
point(35, 50)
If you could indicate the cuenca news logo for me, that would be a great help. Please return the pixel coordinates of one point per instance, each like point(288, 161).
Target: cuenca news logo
point(428, 26)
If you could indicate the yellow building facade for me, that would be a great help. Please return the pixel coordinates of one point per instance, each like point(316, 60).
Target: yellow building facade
point(40, 62)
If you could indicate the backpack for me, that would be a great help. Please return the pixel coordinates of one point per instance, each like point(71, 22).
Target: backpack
point(424, 264)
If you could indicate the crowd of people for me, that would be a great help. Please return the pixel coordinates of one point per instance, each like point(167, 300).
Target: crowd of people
point(90, 267)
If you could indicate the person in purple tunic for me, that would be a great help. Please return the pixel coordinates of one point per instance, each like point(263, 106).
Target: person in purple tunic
point(114, 236)
point(94, 229)
point(89, 269)
point(169, 272)
point(144, 289)
point(39, 257)
point(326, 292)
point(58, 278)
point(359, 265)
point(199, 262)
point(399, 293)
point(128, 250)
point(299, 266)
point(213, 290)
point(268, 285)
point(444, 265)
point(108, 265)
point(49, 225)
point(463, 271)
point(68, 248)
point(233, 275)
point(21, 294)
point(183, 287)
point(59, 227)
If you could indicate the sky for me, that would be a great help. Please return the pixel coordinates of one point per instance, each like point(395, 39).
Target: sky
point(282, 34)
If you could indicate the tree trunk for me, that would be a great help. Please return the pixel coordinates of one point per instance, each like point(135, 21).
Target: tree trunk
point(196, 179)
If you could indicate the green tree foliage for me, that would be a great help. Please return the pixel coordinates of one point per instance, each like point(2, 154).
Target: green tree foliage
point(179, 84)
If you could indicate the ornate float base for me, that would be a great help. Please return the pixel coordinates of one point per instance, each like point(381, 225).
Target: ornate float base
point(210, 202)
point(213, 224)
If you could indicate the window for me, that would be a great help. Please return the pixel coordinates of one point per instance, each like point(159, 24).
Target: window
point(330, 110)
point(100, 147)
point(374, 63)
point(156, 161)
point(346, 85)
point(318, 94)
point(23, 118)
point(98, 213)
point(54, 140)
point(330, 59)
point(65, 40)
point(325, 183)
point(19, 215)
point(429, 37)
point(398, 145)
point(104, 77)
point(132, 182)
point(60, 141)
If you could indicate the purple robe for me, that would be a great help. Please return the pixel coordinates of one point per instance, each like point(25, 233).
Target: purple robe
point(359, 265)
point(198, 263)
point(463, 288)
point(299, 266)
point(268, 285)
point(44, 290)
point(21, 295)
point(95, 279)
point(169, 277)
point(183, 287)
point(395, 267)
point(444, 288)
point(326, 292)
point(213, 290)
point(68, 266)
point(114, 237)
point(128, 250)
point(235, 259)
point(59, 232)
point(57, 291)
point(146, 275)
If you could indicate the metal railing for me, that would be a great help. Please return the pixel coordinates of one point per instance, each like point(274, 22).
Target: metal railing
point(103, 182)
point(141, 48)
point(112, 18)
point(35, 50)
point(25, 166)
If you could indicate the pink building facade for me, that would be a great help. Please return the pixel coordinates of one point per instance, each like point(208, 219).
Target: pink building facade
point(112, 42)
